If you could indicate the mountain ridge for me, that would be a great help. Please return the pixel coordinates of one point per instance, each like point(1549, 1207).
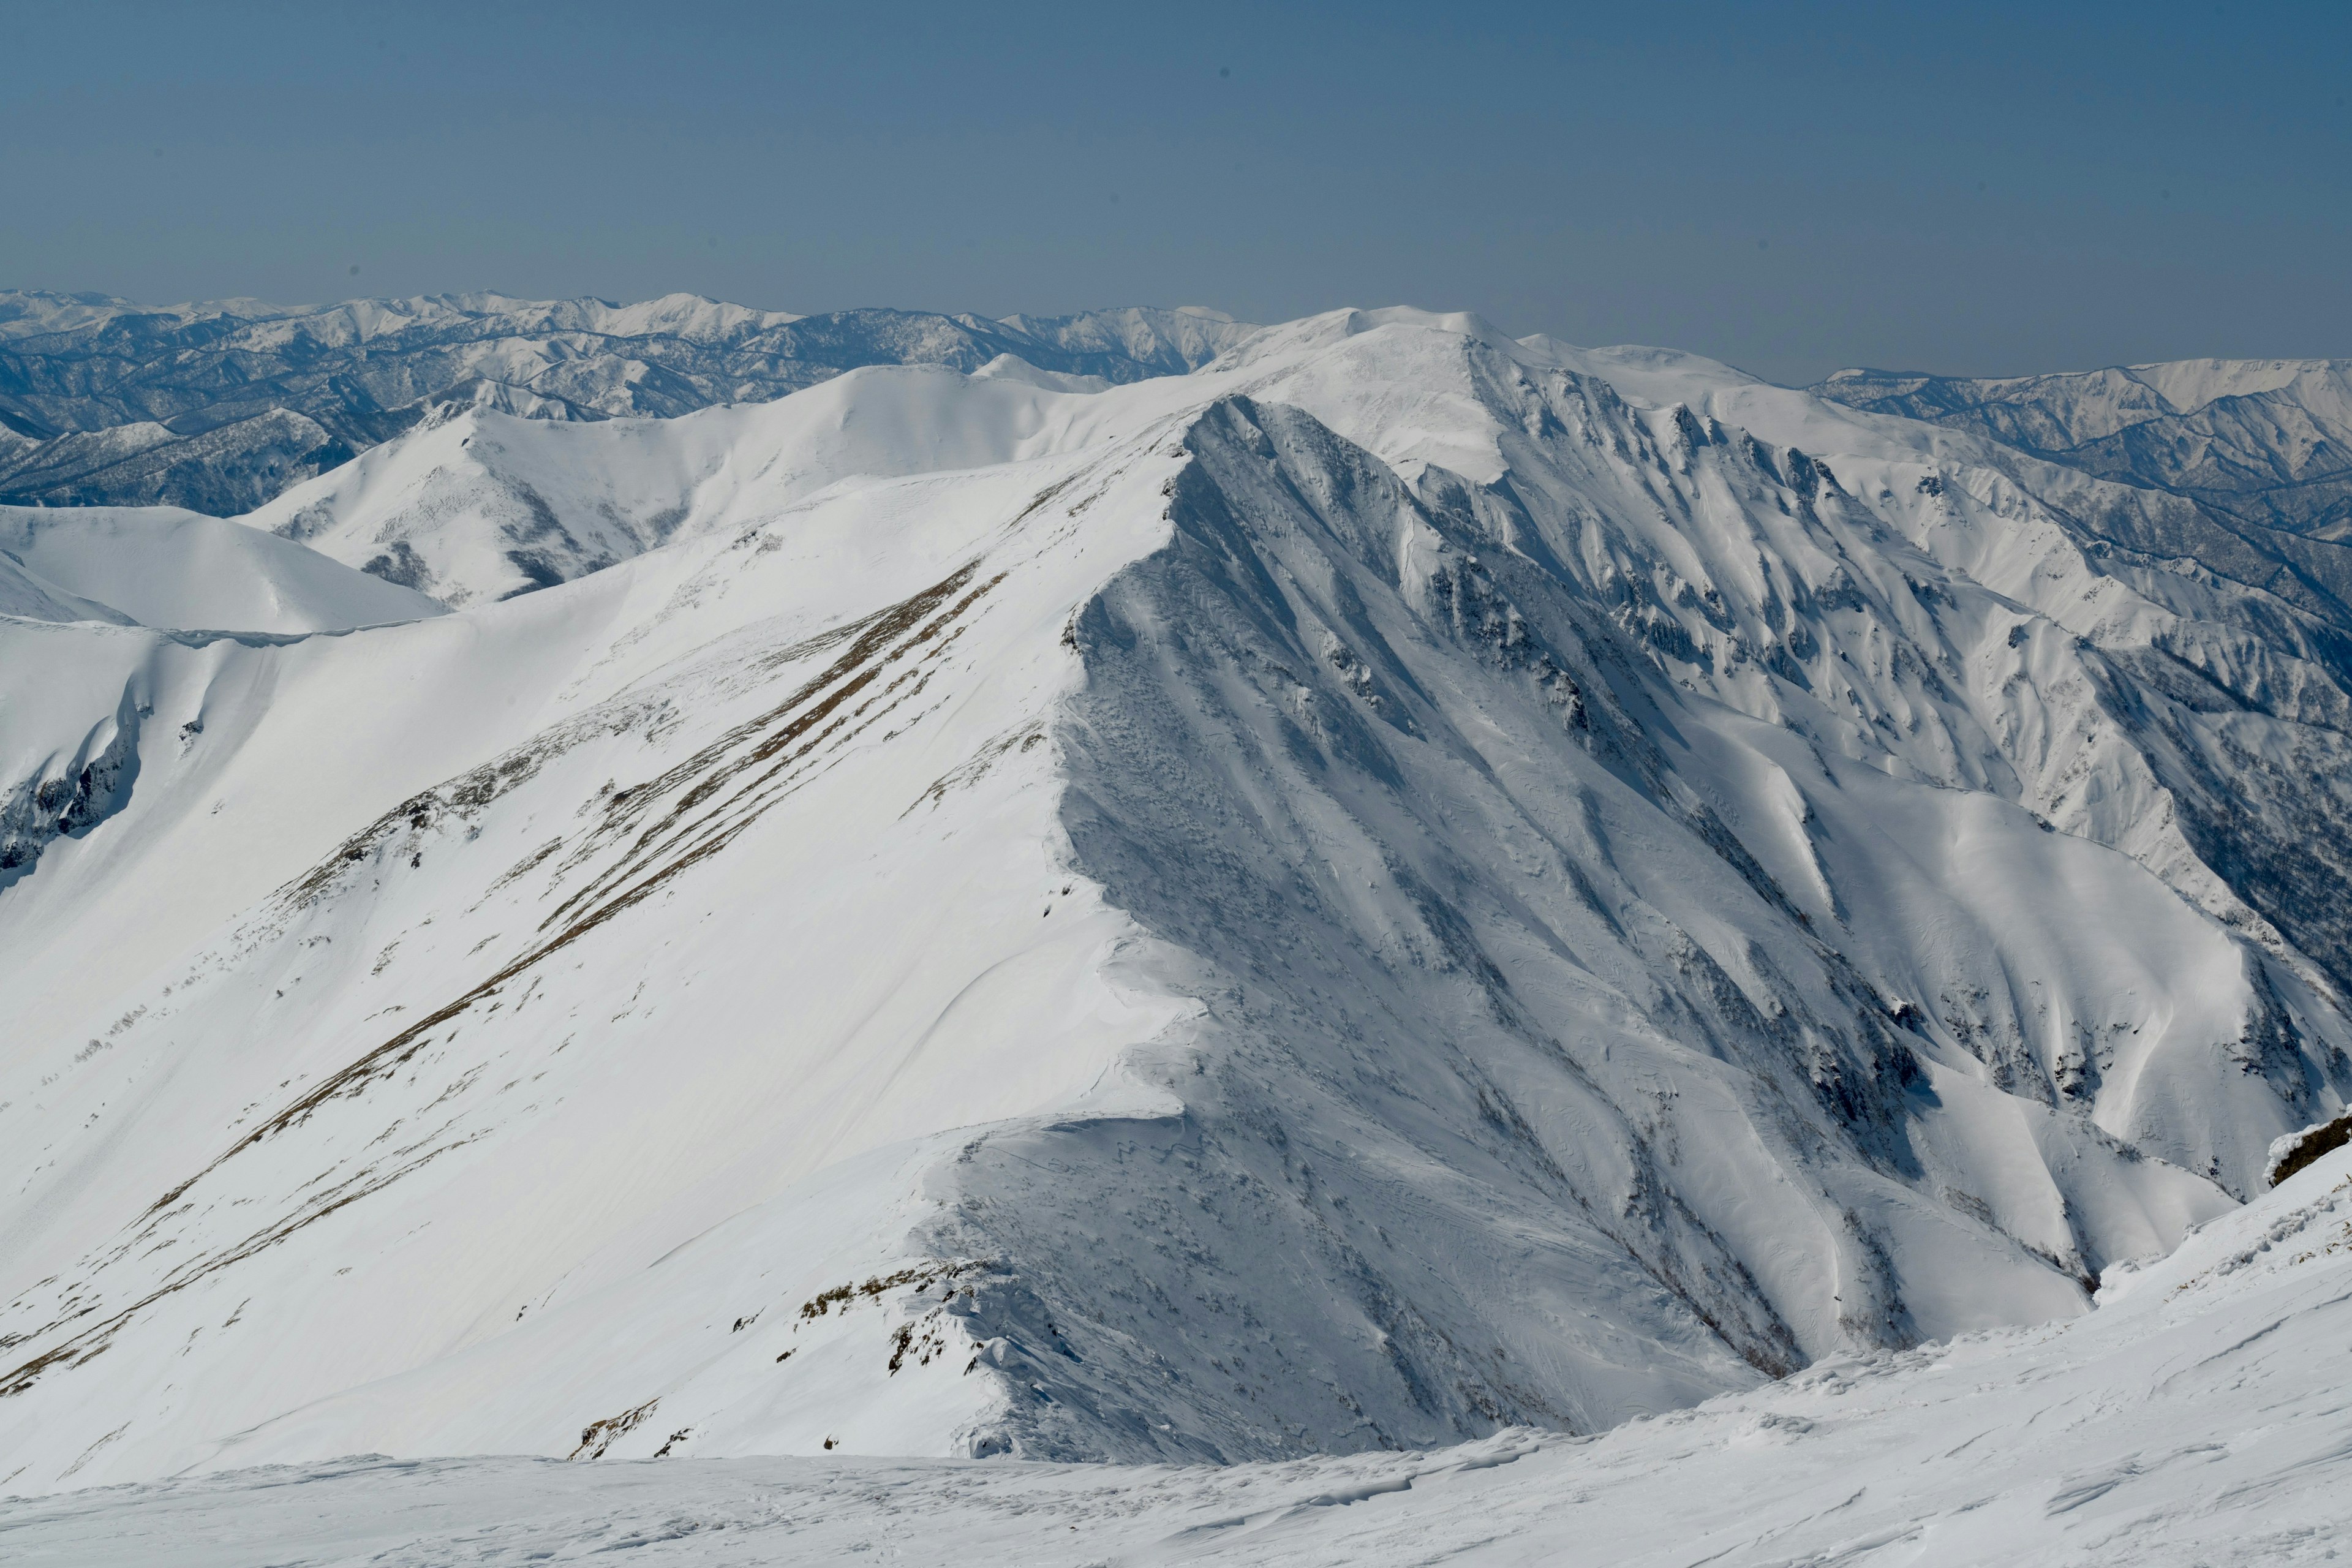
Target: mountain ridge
point(220, 406)
point(1402, 883)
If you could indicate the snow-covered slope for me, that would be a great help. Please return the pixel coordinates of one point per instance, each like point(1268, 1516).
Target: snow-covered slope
point(2198, 1417)
point(25, 595)
point(484, 505)
point(158, 567)
point(223, 467)
point(1400, 884)
point(71, 727)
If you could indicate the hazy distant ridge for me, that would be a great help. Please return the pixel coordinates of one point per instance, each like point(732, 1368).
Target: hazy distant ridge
point(220, 406)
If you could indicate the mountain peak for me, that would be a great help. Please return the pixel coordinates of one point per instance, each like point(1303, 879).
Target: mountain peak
point(1398, 884)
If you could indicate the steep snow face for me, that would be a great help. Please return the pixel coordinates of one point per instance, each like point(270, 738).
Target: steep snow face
point(221, 406)
point(1386, 889)
point(1496, 1009)
point(2196, 1419)
point(2212, 747)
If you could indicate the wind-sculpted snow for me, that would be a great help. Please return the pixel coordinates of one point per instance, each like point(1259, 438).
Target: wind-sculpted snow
point(2198, 1417)
point(221, 406)
point(1399, 886)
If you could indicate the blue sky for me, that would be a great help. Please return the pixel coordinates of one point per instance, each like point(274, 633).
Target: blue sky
point(1984, 189)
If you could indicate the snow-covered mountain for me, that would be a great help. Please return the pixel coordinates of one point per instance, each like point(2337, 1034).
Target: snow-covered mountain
point(2196, 1419)
point(220, 406)
point(1399, 884)
point(481, 505)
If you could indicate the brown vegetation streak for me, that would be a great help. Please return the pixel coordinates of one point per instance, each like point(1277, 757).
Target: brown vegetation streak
point(852, 671)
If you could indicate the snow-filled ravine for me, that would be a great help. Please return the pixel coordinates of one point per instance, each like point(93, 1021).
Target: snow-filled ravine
point(1402, 887)
point(2201, 1415)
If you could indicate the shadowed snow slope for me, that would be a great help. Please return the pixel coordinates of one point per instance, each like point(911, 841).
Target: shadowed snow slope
point(1400, 885)
point(2200, 1417)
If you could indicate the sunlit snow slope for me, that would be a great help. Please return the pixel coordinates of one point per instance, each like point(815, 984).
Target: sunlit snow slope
point(488, 505)
point(158, 567)
point(1399, 885)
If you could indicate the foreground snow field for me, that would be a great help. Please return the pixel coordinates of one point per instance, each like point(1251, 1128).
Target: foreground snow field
point(1400, 886)
point(2203, 1415)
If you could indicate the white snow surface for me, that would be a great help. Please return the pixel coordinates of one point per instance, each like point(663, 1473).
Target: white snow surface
point(160, 566)
point(486, 505)
point(2198, 1417)
point(1399, 888)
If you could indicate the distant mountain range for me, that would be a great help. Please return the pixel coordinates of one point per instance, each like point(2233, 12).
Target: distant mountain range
point(220, 406)
point(2257, 452)
point(2266, 442)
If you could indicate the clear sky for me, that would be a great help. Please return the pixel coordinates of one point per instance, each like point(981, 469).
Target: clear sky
point(1978, 189)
